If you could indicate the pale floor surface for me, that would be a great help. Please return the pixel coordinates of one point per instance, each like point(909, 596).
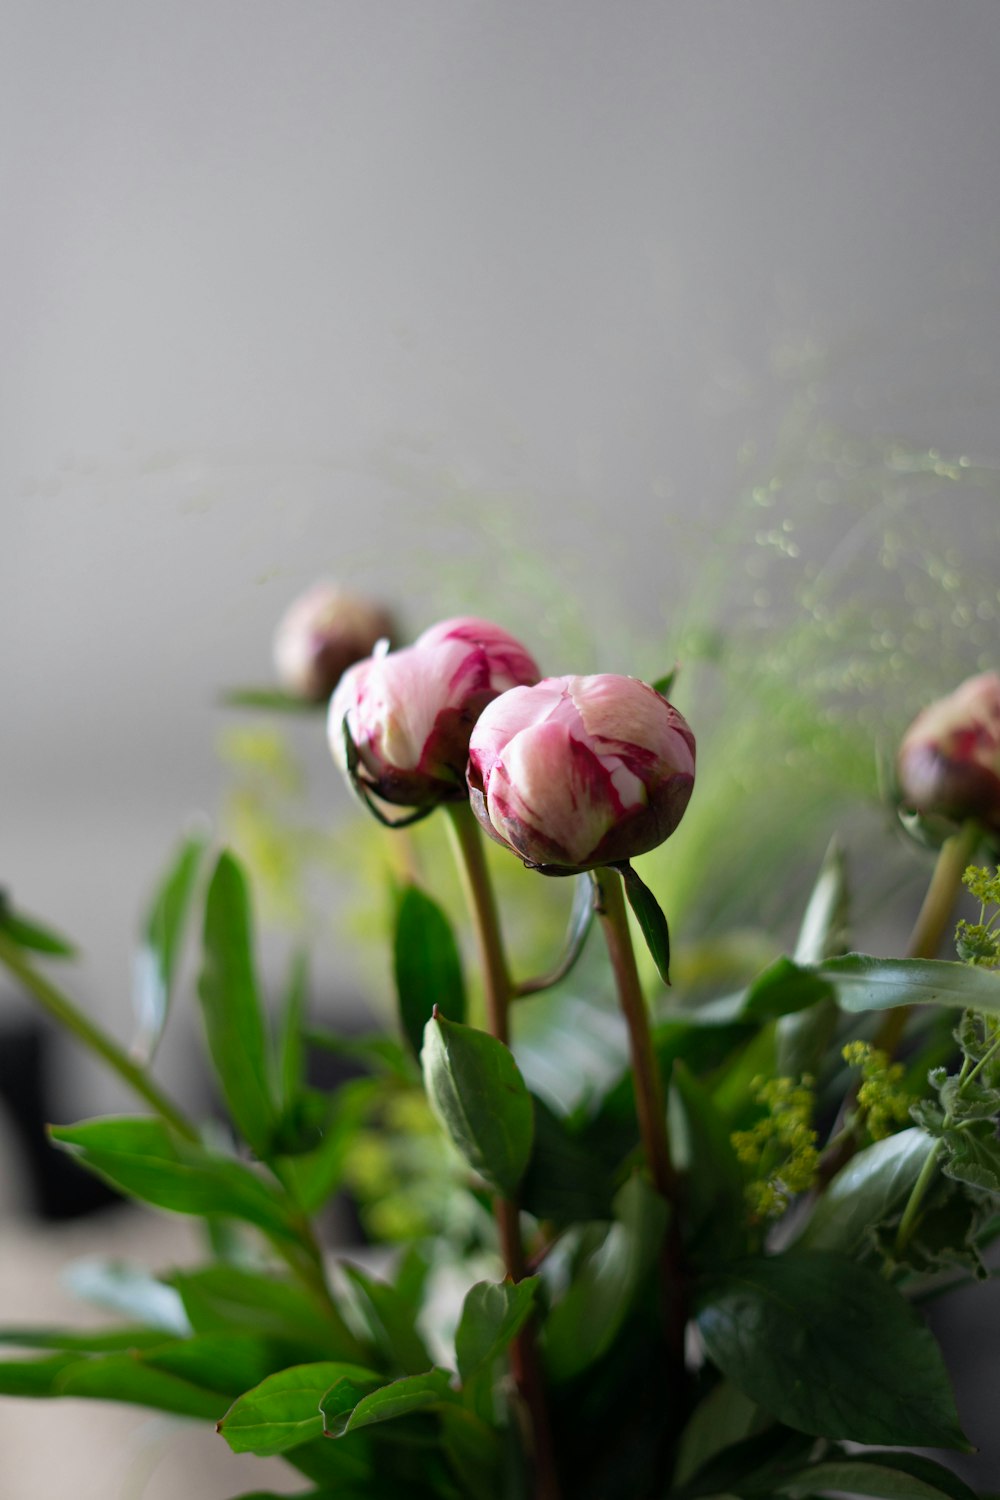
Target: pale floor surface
point(92, 1450)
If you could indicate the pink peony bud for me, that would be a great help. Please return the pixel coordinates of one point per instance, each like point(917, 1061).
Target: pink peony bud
point(581, 771)
point(409, 713)
point(325, 631)
point(949, 759)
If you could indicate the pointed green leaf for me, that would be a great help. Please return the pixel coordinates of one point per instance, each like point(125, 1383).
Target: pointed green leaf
point(886, 1476)
point(871, 1188)
point(865, 983)
point(391, 1321)
point(713, 1179)
point(292, 1050)
point(829, 1347)
point(271, 700)
point(34, 1377)
point(145, 1159)
point(650, 917)
point(426, 964)
point(478, 1094)
point(125, 1377)
point(564, 1182)
point(26, 932)
point(782, 989)
point(492, 1315)
point(402, 1398)
point(284, 1410)
point(231, 1004)
point(664, 685)
point(824, 924)
point(163, 930)
point(220, 1299)
point(582, 1326)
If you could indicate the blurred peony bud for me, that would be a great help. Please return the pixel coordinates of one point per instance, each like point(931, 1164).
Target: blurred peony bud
point(949, 759)
point(581, 771)
point(325, 631)
point(409, 713)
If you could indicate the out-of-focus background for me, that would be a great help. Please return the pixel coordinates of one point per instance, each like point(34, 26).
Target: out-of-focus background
point(629, 326)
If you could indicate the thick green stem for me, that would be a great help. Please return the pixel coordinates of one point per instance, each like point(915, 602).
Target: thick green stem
point(911, 1212)
point(498, 990)
point(63, 1010)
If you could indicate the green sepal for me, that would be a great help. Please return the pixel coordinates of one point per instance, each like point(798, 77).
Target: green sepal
point(650, 917)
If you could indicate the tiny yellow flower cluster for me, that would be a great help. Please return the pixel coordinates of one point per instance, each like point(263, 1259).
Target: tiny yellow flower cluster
point(779, 1149)
point(882, 1100)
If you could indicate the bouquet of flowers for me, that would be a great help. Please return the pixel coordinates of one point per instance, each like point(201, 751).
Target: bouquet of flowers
point(701, 1277)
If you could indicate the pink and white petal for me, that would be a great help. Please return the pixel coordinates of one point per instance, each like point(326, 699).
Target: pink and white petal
point(559, 788)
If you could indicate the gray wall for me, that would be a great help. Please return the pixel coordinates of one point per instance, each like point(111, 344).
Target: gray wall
point(361, 287)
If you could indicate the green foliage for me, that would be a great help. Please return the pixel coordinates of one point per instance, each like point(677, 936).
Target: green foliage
point(480, 1098)
point(426, 964)
point(830, 1348)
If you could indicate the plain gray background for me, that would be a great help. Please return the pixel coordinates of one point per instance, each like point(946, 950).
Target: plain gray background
point(373, 289)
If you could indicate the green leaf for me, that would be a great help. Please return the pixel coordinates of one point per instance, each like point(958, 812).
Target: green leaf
point(492, 1315)
point(234, 1019)
point(426, 964)
point(221, 1299)
point(126, 1377)
point(713, 1179)
point(972, 1155)
point(828, 1347)
point(887, 1476)
point(480, 1098)
point(582, 1326)
point(564, 1182)
point(145, 1159)
point(723, 1417)
point(649, 915)
point(410, 1394)
point(664, 685)
point(318, 1173)
point(85, 1340)
point(753, 1466)
point(26, 932)
point(872, 1187)
point(824, 924)
point(390, 1319)
point(34, 1377)
point(271, 700)
point(225, 1362)
point(865, 983)
point(163, 930)
point(284, 1410)
point(782, 989)
point(291, 1051)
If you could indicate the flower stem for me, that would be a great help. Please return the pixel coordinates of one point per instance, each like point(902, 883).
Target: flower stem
point(525, 1363)
point(935, 913)
point(649, 1102)
point(62, 1009)
point(652, 1117)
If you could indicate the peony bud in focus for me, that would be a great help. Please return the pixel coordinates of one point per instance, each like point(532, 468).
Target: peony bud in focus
point(949, 759)
point(409, 713)
point(581, 771)
point(325, 631)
